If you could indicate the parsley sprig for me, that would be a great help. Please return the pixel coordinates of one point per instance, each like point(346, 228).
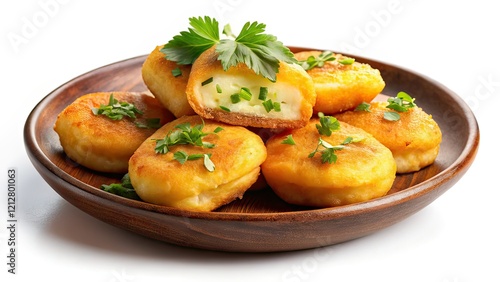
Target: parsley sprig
point(328, 153)
point(124, 189)
point(401, 103)
point(116, 110)
point(327, 125)
point(319, 61)
point(259, 51)
point(185, 134)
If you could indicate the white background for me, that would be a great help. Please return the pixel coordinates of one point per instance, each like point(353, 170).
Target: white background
point(45, 43)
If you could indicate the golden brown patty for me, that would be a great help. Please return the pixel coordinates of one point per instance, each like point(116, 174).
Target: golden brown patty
point(342, 87)
point(168, 88)
point(210, 92)
point(363, 170)
point(102, 144)
point(414, 139)
point(160, 179)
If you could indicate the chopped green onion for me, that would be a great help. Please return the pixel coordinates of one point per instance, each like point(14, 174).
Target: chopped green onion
point(263, 93)
point(245, 93)
point(235, 98)
point(208, 81)
point(268, 105)
point(225, 108)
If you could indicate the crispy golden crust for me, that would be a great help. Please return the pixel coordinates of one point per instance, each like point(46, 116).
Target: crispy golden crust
point(170, 90)
point(342, 87)
point(364, 170)
point(414, 140)
point(100, 143)
point(291, 76)
point(159, 179)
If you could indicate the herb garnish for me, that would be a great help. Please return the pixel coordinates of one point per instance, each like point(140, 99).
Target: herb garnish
point(327, 125)
point(269, 105)
point(328, 153)
point(260, 52)
point(117, 110)
point(176, 72)
point(185, 134)
point(263, 93)
point(363, 107)
point(401, 103)
point(319, 61)
point(288, 140)
point(207, 81)
point(123, 189)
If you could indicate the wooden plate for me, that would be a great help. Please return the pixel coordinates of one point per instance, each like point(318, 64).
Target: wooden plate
point(260, 222)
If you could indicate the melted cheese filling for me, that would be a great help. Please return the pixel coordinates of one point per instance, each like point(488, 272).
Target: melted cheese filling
point(288, 96)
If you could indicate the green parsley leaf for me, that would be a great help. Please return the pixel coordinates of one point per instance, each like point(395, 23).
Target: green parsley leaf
point(328, 153)
point(123, 189)
point(182, 157)
point(327, 125)
point(218, 88)
point(288, 140)
point(401, 103)
point(313, 62)
point(228, 32)
point(176, 72)
point(260, 52)
point(186, 47)
point(185, 134)
point(116, 110)
point(391, 116)
point(363, 107)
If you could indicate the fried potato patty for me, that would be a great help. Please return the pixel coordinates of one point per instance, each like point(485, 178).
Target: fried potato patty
point(414, 139)
point(340, 87)
point(100, 143)
point(161, 179)
point(363, 170)
point(168, 88)
point(217, 94)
